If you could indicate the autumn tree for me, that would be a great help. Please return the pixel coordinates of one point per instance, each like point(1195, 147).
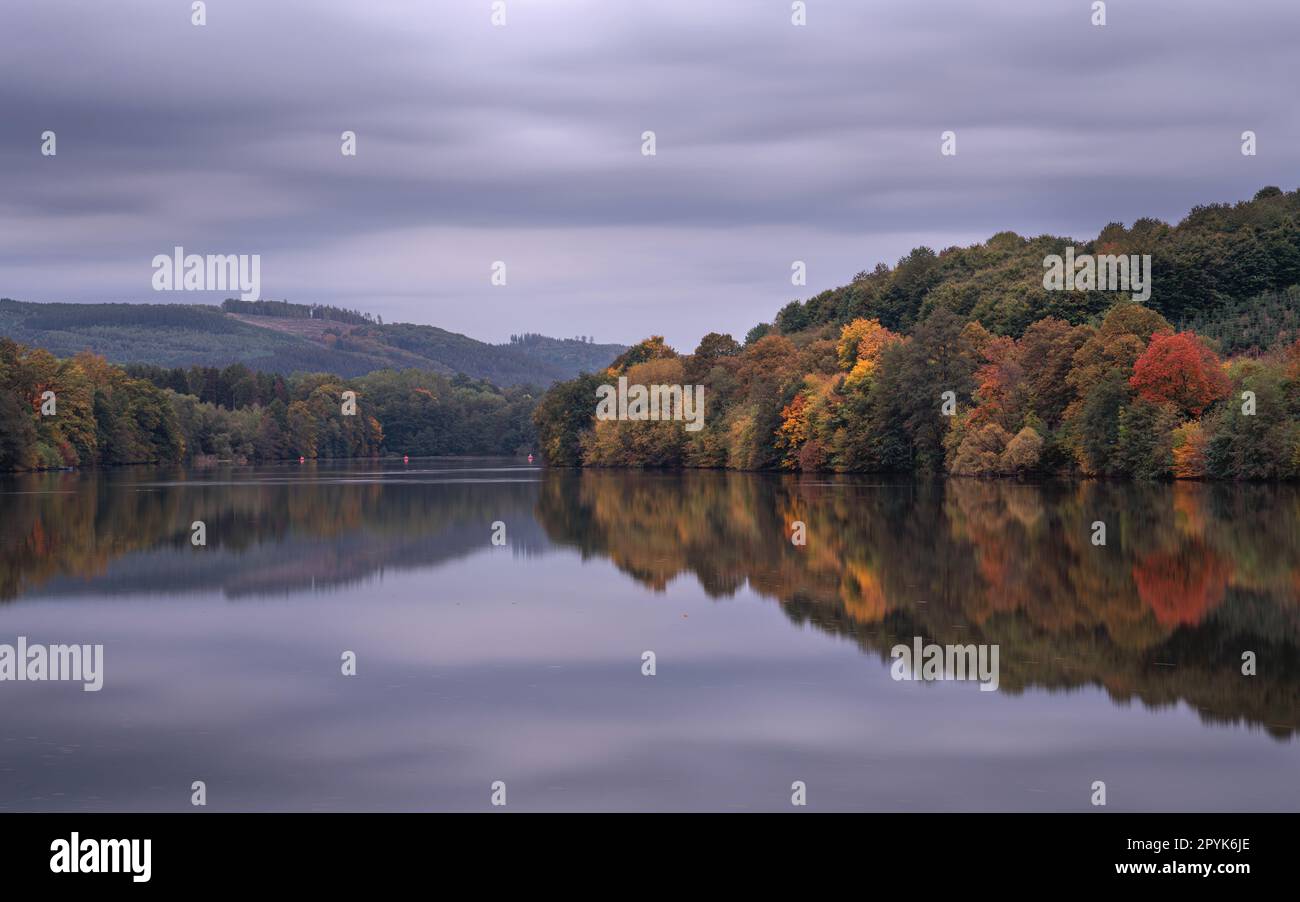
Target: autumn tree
point(652, 348)
point(1189, 450)
point(1022, 453)
point(859, 348)
point(713, 347)
point(1178, 369)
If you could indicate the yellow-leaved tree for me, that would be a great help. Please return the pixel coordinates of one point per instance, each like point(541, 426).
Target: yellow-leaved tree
point(860, 346)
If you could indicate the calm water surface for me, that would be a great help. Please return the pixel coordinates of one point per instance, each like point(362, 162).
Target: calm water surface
point(523, 663)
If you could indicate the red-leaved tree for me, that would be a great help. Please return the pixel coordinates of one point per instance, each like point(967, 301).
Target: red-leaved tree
point(1180, 370)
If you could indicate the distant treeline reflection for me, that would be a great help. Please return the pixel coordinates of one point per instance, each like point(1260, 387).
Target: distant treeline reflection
point(286, 533)
point(1192, 574)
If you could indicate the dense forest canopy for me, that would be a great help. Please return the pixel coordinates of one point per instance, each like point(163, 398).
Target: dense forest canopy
point(1220, 254)
point(83, 411)
point(963, 362)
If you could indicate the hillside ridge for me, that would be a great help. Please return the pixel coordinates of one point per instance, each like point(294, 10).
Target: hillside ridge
point(171, 335)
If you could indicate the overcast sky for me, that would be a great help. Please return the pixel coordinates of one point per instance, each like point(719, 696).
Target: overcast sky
point(522, 144)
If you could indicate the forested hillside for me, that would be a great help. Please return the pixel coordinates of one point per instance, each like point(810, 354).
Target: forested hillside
point(279, 337)
point(1220, 255)
point(963, 362)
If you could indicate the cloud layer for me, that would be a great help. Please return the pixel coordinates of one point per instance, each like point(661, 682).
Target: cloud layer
point(522, 143)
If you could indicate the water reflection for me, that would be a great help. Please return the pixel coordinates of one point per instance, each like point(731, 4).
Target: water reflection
point(1190, 578)
point(272, 530)
point(1191, 575)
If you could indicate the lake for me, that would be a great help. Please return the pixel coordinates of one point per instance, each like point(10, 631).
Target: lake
point(523, 662)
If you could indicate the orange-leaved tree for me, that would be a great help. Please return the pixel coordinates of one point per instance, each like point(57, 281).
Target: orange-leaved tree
point(1177, 368)
point(860, 346)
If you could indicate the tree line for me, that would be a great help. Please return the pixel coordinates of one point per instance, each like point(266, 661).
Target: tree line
point(286, 310)
point(963, 362)
point(82, 412)
point(528, 338)
point(1128, 396)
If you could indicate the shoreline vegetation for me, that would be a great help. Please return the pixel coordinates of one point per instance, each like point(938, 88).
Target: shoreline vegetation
point(106, 415)
point(964, 363)
point(958, 363)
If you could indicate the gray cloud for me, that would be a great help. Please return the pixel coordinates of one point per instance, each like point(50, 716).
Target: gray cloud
point(522, 144)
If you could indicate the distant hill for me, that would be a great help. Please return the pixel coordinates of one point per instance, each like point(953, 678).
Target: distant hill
point(290, 338)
